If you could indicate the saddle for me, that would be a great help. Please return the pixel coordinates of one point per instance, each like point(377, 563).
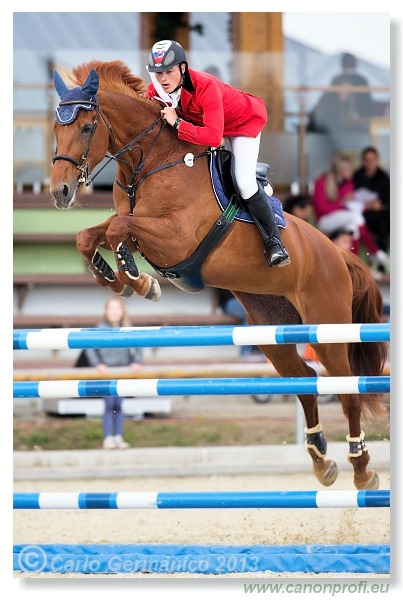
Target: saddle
point(224, 167)
point(225, 187)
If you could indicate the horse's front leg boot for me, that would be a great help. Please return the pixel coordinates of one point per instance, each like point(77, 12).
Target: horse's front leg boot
point(125, 261)
point(102, 268)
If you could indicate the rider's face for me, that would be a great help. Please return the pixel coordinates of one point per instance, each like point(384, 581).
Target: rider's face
point(170, 79)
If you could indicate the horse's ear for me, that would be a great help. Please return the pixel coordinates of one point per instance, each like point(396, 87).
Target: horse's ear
point(90, 87)
point(60, 86)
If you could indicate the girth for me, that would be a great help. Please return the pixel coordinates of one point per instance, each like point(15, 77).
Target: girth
point(187, 274)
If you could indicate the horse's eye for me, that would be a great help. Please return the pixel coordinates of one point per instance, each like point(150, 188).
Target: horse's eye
point(86, 128)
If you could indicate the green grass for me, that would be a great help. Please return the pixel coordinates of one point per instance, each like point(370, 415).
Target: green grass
point(53, 433)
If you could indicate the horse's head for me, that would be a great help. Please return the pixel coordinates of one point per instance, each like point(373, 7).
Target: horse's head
point(75, 129)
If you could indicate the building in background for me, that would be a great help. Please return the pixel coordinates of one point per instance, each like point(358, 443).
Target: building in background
point(247, 50)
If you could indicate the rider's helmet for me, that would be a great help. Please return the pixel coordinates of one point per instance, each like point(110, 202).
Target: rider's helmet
point(164, 55)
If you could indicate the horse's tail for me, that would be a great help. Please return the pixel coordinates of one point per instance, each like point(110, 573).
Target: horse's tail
point(367, 358)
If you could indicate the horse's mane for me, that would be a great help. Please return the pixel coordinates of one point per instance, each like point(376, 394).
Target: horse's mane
point(114, 76)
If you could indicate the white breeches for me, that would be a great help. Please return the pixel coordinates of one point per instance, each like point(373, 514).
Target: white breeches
point(246, 151)
point(341, 219)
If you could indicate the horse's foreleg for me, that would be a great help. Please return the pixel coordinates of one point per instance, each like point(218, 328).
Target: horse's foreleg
point(87, 242)
point(288, 363)
point(127, 272)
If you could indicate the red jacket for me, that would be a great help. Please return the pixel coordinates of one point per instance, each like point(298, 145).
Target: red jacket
point(215, 109)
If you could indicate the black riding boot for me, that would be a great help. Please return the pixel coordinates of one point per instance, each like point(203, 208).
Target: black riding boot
point(261, 210)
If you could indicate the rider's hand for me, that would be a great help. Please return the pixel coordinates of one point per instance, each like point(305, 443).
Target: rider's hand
point(169, 114)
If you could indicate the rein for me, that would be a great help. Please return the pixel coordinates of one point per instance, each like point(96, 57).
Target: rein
point(132, 187)
point(84, 170)
point(128, 147)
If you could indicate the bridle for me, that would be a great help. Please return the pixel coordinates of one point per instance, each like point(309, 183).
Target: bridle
point(83, 166)
point(84, 169)
point(131, 187)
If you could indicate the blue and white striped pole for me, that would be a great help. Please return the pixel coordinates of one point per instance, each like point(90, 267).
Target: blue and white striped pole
point(223, 335)
point(193, 387)
point(227, 499)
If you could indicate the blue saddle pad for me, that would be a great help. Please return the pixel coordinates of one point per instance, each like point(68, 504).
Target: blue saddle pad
point(242, 214)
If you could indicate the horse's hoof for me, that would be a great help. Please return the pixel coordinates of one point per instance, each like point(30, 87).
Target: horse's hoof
point(326, 471)
point(154, 293)
point(127, 292)
point(371, 483)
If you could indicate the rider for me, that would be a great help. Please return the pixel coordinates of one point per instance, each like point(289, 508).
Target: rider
point(212, 110)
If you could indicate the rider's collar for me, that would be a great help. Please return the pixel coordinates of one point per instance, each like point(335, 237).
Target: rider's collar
point(187, 81)
point(169, 99)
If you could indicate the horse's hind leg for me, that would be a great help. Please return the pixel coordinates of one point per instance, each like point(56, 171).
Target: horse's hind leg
point(288, 363)
point(335, 359)
point(267, 309)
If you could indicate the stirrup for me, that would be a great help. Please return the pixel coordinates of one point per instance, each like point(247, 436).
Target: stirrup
point(279, 258)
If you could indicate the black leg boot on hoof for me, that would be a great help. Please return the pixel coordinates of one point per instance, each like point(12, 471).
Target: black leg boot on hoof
point(262, 212)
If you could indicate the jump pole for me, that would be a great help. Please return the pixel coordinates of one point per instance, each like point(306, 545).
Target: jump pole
point(220, 335)
point(181, 387)
point(186, 500)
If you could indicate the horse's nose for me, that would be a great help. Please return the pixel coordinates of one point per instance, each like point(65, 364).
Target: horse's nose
point(62, 196)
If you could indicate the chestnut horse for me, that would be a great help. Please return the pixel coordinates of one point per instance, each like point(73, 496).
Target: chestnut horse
point(165, 205)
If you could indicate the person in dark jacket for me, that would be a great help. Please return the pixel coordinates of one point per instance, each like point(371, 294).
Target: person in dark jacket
point(342, 110)
point(300, 206)
point(372, 177)
point(103, 359)
point(204, 110)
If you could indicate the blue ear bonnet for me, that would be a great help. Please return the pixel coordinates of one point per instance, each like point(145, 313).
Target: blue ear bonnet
point(68, 113)
point(79, 97)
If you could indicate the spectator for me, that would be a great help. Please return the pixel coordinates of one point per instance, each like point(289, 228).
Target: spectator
point(231, 306)
point(300, 206)
point(344, 238)
point(115, 315)
point(344, 111)
point(213, 70)
point(335, 205)
point(370, 176)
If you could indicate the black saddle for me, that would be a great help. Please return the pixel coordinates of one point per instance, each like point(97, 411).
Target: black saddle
point(225, 168)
